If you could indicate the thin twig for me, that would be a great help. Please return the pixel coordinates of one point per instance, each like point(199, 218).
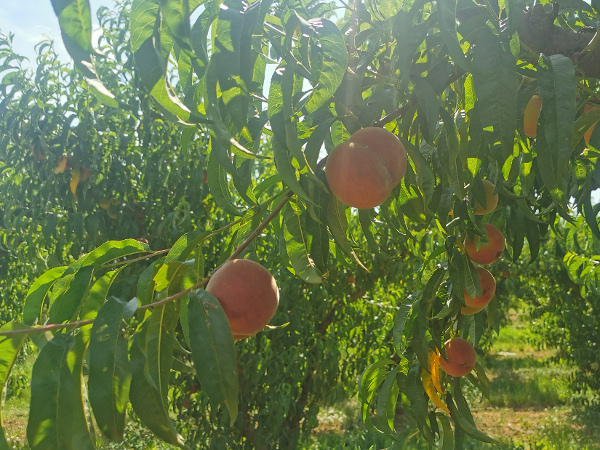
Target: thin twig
point(199, 284)
point(238, 251)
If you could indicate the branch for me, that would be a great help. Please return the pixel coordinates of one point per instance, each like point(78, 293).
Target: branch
point(199, 284)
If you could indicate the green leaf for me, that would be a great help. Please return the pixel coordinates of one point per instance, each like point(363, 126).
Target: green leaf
point(32, 308)
point(185, 245)
point(146, 284)
point(213, 352)
point(446, 14)
point(447, 436)
point(496, 85)
point(399, 321)
point(217, 183)
point(557, 89)
point(466, 426)
point(57, 417)
point(109, 371)
point(386, 404)
point(418, 400)
point(145, 397)
point(429, 104)
point(371, 379)
point(286, 170)
point(141, 22)
point(296, 244)
point(9, 349)
point(110, 251)
point(328, 60)
point(65, 305)
point(75, 20)
point(338, 225)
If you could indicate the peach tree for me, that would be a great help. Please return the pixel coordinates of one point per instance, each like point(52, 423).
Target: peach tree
point(269, 89)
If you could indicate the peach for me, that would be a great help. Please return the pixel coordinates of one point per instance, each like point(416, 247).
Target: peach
point(488, 253)
point(362, 171)
point(248, 294)
point(469, 310)
point(531, 116)
point(488, 286)
point(491, 199)
point(461, 357)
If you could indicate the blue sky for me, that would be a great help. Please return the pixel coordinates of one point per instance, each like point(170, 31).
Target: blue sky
point(30, 20)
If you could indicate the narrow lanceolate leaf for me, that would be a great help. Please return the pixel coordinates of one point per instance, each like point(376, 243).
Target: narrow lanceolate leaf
point(111, 250)
point(496, 86)
point(417, 399)
point(296, 245)
point(66, 304)
point(109, 371)
point(57, 417)
point(386, 404)
point(338, 225)
point(160, 342)
point(446, 435)
point(146, 399)
point(97, 295)
point(328, 59)
point(447, 22)
point(9, 349)
point(34, 300)
point(146, 283)
point(218, 185)
point(557, 88)
point(213, 352)
point(399, 322)
point(75, 20)
point(464, 424)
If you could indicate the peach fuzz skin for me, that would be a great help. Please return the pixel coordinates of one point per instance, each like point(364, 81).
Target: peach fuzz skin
point(490, 197)
point(488, 287)
point(488, 253)
point(362, 171)
point(461, 357)
point(248, 294)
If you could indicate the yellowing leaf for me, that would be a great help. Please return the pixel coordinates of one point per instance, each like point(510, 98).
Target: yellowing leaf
point(62, 164)
point(431, 391)
point(433, 363)
point(74, 182)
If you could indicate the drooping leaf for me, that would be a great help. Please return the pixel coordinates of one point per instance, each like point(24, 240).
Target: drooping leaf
point(496, 84)
point(57, 417)
point(296, 245)
point(9, 349)
point(328, 60)
point(109, 371)
point(145, 397)
point(66, 303)
point(34, 300)
point(557, 89)
point(213, 352)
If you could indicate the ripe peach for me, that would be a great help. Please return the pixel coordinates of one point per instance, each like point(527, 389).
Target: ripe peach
point(362, 171)
point(531, 116)
point(460, 356)
point(248, 294)
point(488, 286)
point(469, 310)
point(488, 253)
point(491, 199)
